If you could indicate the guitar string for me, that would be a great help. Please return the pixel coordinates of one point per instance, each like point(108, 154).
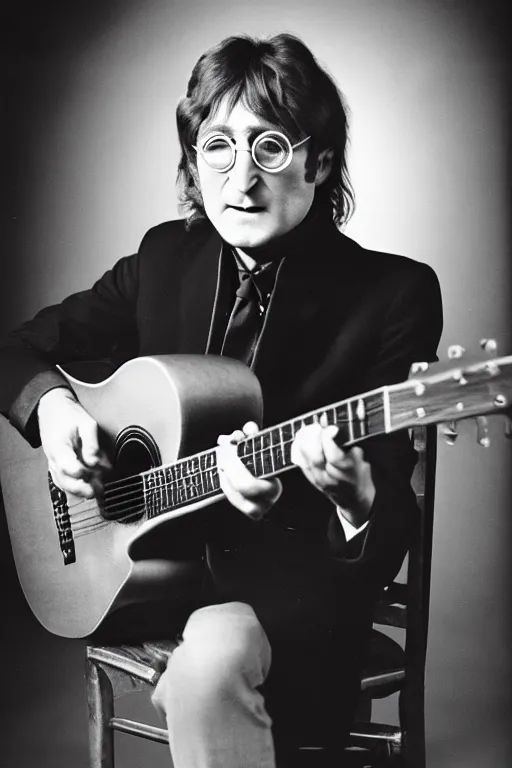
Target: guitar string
point(92, 528)
point(294, 425)
point(126, 486)
point(129, 490)
point(81, 524)
point(176, 484)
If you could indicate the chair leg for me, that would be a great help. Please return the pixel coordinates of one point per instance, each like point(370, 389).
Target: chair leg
point(412, 719)
point(100, 702)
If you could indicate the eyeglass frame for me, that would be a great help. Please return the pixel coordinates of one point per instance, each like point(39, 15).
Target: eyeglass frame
point(258, 138)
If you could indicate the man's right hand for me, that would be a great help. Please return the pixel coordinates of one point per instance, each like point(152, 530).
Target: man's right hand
point(69, 437)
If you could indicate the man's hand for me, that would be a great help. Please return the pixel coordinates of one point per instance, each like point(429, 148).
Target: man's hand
point(69, 437)
point(252, 496)
point(344, 476)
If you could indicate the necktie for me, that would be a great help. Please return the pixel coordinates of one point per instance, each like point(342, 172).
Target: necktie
point(245, 322)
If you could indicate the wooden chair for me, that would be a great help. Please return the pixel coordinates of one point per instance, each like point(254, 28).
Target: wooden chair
point(404, 606)
point(113, 671)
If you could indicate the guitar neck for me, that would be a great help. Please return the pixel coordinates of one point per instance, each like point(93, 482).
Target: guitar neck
point(446, 395)
point(265, 454)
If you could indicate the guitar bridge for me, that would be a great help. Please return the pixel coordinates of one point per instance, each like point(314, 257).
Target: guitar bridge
point(62, 521)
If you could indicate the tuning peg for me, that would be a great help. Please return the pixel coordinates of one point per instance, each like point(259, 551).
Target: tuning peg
point(418, 368)
point(449, 432)
point(490, 346)
point(459, 377)
point(492, 368)
point(455, 350)
point(482, 431)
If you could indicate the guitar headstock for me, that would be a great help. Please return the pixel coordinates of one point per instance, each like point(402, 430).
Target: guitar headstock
point(458, 388)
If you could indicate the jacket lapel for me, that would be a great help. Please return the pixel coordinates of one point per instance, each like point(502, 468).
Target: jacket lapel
point(300, 306)
point(199, 301)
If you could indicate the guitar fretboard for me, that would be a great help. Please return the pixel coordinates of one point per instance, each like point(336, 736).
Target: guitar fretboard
point(265, 454)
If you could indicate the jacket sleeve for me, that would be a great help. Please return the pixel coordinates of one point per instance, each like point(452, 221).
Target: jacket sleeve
point(96, 324)
point(410, 333)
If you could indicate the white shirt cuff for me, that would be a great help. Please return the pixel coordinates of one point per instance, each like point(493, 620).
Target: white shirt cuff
point(350, 530)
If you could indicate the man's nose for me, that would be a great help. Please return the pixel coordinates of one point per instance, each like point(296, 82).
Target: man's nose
point(245, 172)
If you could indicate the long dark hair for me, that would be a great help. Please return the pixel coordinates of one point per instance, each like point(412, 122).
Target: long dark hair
point(280, 81)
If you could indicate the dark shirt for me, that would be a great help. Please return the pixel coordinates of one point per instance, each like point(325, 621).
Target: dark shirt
point(250, 294)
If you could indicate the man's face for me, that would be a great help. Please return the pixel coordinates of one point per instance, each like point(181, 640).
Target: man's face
point(248, 206)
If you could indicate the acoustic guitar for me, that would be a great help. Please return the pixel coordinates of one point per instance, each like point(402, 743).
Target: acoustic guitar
point(79, 560)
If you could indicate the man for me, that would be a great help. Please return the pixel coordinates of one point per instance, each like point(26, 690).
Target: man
point(258, 271)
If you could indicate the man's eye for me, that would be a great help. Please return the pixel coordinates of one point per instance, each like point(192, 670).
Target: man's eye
point(271, 147)
point(216, 145)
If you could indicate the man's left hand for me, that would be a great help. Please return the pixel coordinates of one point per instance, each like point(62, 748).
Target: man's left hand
point(251, 495)
point(343, 476)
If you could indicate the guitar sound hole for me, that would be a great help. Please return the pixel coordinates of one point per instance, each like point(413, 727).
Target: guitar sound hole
point(135, 452)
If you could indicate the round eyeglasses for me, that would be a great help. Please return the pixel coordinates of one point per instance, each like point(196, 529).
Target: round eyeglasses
point(271, 151)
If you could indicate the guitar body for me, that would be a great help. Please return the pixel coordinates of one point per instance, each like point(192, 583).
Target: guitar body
point(80, 560)
point(75, 566)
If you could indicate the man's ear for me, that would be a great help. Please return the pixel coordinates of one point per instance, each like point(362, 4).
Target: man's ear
point(324, 165)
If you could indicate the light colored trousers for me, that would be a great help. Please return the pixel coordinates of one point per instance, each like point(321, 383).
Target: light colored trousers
point(215, 714)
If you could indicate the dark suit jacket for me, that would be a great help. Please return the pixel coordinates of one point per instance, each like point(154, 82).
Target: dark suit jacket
point(342, 320)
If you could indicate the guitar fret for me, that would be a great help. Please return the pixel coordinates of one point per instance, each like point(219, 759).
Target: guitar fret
point(190, 479)
point(182, 489)
point(204, 476)
point(258, 456)
point(152, 491)
point(161, 489)
point(213, 473)
point(152, 495)
point(264, 454)
point(246, 452)
point(361, 416)
point(200, 483)
point(176, 484)
point(160, 478)
point(205, 473)
point(270, 436)
point(195, 477)
point(350, 422)
point(194, 480)
point(279, 449)
point(341, 420)
point(165, 500)
point(173, 485)
point(287, 432)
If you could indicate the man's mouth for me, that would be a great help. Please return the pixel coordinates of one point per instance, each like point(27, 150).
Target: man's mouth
point(247, 208)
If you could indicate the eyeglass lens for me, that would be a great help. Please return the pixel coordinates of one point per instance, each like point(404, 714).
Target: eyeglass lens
point(270, 151)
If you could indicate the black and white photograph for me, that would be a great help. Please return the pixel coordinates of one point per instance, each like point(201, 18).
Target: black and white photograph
point(255, 384)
